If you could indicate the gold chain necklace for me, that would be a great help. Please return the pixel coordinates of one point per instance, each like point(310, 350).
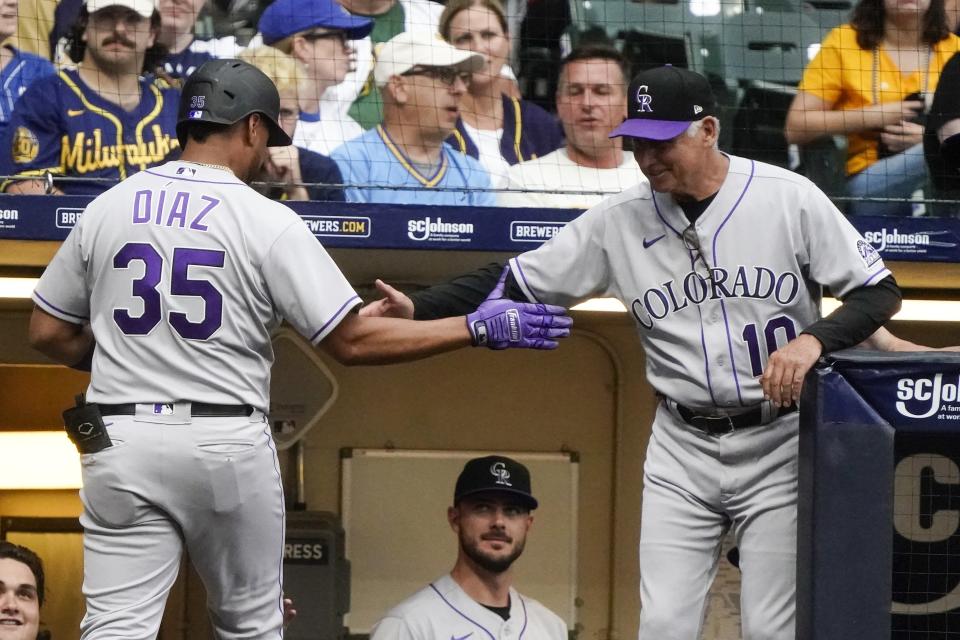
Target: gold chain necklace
point(211, 166)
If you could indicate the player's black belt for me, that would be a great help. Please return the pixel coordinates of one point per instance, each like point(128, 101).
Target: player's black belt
point(719, 425)
point(197, 410)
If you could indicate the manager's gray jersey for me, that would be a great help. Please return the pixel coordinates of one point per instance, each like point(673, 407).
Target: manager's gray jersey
point(712, 307)
point(183, 272)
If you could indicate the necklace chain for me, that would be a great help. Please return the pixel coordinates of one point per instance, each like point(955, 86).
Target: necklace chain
point(211, 166)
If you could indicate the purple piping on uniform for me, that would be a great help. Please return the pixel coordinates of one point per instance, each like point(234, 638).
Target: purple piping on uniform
point(336, 316)
point(703, 342)
point(723, 307)
point(524, 604)
point(56, 308)
point(870, 279)
point(161, 175)
point(523, 278)
point(461, 613)
point(656, 208)
point(283, 521)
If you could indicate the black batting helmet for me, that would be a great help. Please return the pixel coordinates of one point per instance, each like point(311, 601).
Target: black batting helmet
point(226, 91)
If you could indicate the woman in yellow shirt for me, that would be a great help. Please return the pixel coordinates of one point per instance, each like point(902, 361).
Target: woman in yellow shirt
point(872, 81)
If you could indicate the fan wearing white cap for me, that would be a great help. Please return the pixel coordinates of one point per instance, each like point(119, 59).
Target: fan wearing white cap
point(99, 122)
point(422, 80)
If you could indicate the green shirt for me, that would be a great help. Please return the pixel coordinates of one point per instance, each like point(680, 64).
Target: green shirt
point(367, 109)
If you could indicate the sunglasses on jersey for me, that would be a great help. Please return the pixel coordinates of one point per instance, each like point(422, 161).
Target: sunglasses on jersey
point(692, 242)
point(446, 75)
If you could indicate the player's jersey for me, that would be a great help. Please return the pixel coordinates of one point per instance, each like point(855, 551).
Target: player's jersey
point(377, 166)
point(442, 611)
point(186, 265)
point(768, 236)
point(19, 74)
point(63, 126)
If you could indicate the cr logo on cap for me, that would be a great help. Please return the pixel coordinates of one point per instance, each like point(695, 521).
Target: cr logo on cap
point(499, 471)
point(644, 100)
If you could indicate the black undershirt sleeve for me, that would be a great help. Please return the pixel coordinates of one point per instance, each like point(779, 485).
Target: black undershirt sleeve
point(463, 294)
point(864, 310)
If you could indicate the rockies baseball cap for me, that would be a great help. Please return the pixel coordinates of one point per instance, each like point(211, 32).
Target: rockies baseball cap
point(285, 18)
point(663, 101)
point(144, 7)
point(495, 473)
point(423, 48)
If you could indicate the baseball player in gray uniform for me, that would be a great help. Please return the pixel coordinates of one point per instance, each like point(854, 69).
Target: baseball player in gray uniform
point(491, 515)
point(720, 261)
point(178, 275)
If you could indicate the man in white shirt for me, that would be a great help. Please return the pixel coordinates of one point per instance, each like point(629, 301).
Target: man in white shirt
point(591, 102)
point(491, 517)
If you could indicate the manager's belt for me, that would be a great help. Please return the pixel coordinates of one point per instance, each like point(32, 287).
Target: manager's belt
point(197, 410)
point(719, 425)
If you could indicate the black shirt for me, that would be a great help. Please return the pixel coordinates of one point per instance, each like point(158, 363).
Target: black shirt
point(945, 107)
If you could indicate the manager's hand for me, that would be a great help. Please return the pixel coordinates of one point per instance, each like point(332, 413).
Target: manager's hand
point(501, 323)
point(786, 368)
point(393, 304)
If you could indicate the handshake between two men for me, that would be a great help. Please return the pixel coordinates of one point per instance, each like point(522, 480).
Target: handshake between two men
point(497, 323)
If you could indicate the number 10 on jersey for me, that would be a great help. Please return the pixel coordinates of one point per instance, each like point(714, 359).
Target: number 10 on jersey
point(751, 337)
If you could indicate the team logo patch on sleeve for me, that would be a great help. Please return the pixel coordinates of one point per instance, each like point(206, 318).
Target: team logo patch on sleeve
point(867, 253)
point(25, 146)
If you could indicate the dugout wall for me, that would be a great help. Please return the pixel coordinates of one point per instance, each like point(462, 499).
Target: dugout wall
point(879, 521)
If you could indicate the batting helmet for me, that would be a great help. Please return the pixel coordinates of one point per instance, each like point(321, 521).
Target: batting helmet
point(226, 91)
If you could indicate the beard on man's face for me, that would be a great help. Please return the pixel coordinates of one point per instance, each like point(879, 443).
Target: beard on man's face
point(493, 564)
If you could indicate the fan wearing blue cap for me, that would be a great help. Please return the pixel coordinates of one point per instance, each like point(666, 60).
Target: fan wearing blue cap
point(319, 34)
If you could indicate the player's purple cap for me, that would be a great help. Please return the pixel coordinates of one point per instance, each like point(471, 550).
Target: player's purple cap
point(663, 101)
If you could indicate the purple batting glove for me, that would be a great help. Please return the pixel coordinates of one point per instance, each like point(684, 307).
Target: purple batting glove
point(500, 323)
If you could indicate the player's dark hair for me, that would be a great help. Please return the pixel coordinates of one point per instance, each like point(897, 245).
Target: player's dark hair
point(27, 557)
point(201, 131)
point(868, 19)
point(76, 47)
point(598, 51)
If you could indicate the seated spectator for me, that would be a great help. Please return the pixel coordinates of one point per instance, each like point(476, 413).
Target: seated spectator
point(591, 102)
point(405, 160)
point(21, 592)
point(941, 141)
point(871, 81)
point(100, 122)
point(301, 173)
point(318, 33)
point(178, 20)
point(18, 69)
point(390, 18)
point(498, 129)
point(177, 33)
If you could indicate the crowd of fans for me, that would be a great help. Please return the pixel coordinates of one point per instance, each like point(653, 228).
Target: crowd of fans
point(403, 101)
